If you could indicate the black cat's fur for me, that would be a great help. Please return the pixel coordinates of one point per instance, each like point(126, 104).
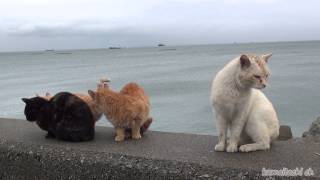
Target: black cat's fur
point(64, 117)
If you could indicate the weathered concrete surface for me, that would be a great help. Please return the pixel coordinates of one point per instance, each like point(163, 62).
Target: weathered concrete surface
point(26, 154)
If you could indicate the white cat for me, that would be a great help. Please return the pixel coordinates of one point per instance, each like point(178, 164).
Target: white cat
point(241, 107)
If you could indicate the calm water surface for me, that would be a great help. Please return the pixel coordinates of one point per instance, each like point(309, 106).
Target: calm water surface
point(178, 80)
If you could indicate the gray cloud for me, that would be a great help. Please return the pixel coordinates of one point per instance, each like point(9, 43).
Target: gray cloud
point(96, 23)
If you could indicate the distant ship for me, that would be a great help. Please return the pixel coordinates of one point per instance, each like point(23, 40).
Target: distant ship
point(159, 45)
point(49, 50)
point(114, 47)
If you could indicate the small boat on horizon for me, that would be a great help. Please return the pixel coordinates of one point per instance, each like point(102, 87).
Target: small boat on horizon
point(114, 47)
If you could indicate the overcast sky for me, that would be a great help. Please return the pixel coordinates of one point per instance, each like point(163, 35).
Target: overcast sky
point(73, 24)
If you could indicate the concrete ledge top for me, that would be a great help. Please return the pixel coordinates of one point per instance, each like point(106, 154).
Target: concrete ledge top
point(187, 156)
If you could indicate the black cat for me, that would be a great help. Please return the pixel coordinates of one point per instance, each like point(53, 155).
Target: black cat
point(65, 116)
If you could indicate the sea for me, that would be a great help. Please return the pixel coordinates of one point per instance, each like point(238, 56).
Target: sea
point(177, 79)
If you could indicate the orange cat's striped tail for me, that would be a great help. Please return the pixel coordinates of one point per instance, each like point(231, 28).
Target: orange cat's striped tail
point(103, 83)
point(105, 80)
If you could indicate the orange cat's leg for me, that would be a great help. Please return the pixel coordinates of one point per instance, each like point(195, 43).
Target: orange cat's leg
point(120, 134)
point(136, 131)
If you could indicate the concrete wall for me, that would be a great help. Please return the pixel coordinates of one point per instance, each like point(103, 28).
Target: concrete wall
point(26, 154)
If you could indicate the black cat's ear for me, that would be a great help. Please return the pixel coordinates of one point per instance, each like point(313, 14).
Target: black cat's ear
point(92, 94)
point(26, 100)
point(244, 61)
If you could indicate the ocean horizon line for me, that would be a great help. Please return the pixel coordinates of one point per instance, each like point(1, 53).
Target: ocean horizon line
point(155, 46)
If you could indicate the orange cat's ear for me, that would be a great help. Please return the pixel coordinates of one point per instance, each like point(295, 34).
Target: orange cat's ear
point(244, 61)
point(26, 100)
point(266, 57)
point(92, 94)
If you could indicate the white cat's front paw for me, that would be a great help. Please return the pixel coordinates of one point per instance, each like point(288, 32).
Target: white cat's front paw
point(232, 148)
point(219, 147)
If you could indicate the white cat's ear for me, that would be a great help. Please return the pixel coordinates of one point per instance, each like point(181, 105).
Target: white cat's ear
point(266, 57)
point(244, 61)
point(92, 94)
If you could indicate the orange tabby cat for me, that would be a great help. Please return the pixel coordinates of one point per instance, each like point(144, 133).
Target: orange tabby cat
point(128, 108)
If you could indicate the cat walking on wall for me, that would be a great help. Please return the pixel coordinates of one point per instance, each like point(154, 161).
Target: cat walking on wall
point(241, 107)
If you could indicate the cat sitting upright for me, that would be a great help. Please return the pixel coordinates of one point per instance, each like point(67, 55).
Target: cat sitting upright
point(241, 107)
point(65, 116)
